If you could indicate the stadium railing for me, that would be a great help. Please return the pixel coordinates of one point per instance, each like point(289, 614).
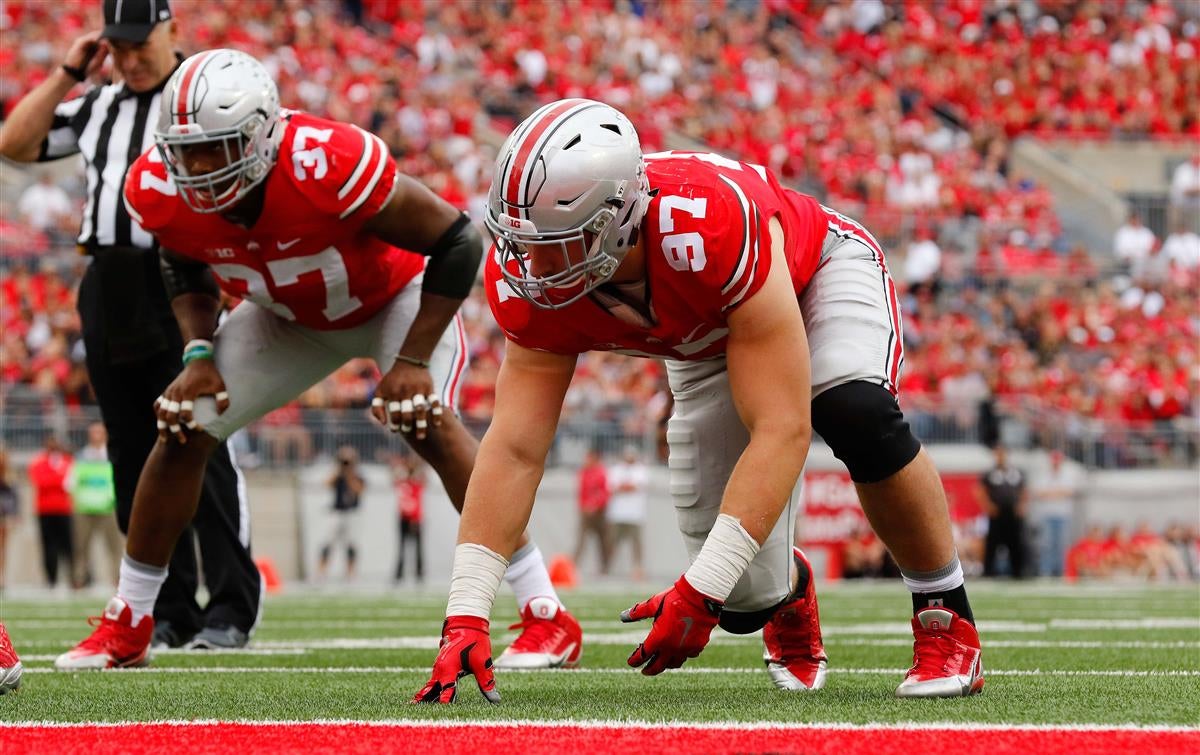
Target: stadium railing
point(25, 424)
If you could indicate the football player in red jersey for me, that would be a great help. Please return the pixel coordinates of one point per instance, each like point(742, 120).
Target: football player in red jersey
point(309, 221)
point(776, 316)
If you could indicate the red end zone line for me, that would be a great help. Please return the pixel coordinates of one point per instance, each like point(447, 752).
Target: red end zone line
point(539, 737)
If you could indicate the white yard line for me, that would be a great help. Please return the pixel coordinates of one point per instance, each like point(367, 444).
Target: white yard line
point(427, 642)
point(830, 629)
point(589, 671)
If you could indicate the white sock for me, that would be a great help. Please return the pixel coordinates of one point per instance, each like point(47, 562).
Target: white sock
point(138, 586)
point(527, 576)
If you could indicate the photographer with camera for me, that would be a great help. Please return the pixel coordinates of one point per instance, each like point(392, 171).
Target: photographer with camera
point(347, 485)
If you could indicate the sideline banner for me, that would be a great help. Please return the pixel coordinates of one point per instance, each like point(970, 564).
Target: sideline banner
point(830, 514)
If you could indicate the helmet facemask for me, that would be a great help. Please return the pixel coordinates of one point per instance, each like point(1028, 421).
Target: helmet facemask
point(216, 190)
point(514, 237)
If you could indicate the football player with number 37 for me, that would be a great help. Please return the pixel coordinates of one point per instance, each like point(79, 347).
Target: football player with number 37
point(310, 222)
point(776, 316)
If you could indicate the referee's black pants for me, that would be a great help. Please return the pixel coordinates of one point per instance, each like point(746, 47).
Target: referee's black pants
point(126, 393)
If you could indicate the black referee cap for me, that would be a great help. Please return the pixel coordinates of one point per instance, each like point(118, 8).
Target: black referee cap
point(133, 20)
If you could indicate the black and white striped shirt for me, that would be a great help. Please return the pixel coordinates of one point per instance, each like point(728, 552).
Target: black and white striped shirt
point(110, 126)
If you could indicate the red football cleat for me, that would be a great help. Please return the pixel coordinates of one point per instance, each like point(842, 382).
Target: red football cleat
point(10, 664)
point(550, 638)
point(792, 644)
point(946, 657)
point(115, 643)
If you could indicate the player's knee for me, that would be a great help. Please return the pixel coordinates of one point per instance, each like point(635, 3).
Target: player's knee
point(745, 622)
point(864, 427)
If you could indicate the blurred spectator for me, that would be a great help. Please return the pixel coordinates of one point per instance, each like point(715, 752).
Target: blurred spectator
point(284, 436)
point(409, 478)
point(593, 500)
point(1054, 495)
point(90, 483)
point(863, 554)
point(1182, 247)
point(46, 207)
point(1133, 241)
point(347, 485)
point(1156, 559)
point(1006, 502)
point(1120, 556)
point(9, 508)
point(52, 504)
point(1087, 557)
point(1153, 270)
point(1185, 193)
point(923, 262)
point(1186, 546)
point(628, 481)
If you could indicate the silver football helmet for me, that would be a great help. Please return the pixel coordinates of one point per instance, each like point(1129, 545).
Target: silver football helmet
point(221, 99)
point(571, 175)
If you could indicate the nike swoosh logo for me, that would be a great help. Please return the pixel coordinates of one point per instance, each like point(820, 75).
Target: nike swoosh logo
point(687, 627)
point(282, 246)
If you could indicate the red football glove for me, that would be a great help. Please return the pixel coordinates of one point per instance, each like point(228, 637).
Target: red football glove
point(683, 621)
point(466, 649)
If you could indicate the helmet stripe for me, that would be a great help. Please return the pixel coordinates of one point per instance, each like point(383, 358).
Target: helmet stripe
point(524, 150)
point(184, 95)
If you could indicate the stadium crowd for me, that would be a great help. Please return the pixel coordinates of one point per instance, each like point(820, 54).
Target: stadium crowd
point(854, 101)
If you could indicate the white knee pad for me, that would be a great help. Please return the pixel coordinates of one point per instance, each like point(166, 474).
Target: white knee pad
point(706, 438)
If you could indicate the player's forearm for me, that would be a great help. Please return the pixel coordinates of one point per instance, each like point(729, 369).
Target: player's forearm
point(196, 314)
point(431, 321)
point(500, 495)
point(764, 477)
point(30, 121)
point(498, 503)
point(755, 495)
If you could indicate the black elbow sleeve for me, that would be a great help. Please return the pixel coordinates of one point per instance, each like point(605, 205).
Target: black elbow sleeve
point(454, 261)
point(187, 278)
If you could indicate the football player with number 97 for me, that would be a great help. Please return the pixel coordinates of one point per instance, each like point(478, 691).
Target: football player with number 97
point(776, 316)
point(337, 256)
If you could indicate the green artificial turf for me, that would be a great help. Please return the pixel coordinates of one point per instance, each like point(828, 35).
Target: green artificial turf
point(362, 656)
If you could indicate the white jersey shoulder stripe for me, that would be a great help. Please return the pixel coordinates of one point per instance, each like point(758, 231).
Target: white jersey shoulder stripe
point(381, 150)
point(753, 273)
point(743, 255)
point(368, 152)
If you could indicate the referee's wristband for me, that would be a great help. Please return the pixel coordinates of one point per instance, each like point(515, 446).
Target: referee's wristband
point(197, 348)
point(75, 73)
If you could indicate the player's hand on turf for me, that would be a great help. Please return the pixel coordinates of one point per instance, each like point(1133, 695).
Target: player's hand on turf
point(683, 621)
point(405, 401)
point(466, 650)
point(174, 407)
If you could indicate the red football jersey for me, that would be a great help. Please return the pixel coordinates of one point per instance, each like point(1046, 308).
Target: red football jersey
point(307, 258)
point(707, 251)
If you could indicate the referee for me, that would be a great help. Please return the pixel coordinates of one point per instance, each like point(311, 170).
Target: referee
point(133, 343)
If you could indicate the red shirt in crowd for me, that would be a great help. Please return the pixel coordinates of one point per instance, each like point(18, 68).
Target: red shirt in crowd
point(47, 473)
point(409, 494)
point(593, 488)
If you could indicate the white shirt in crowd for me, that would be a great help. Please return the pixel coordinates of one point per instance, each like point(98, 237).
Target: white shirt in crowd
point(1055, 490)
point(1183, 248)
point(629, 506)
point(1133, 242)
point(923, 261)
point(1185, 184)
point(43, 204)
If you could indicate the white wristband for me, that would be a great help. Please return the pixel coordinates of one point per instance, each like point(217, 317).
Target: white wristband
point(475, 580)
point(727, 552)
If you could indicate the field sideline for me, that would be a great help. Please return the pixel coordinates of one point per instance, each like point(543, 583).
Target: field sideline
point(1114, 667)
